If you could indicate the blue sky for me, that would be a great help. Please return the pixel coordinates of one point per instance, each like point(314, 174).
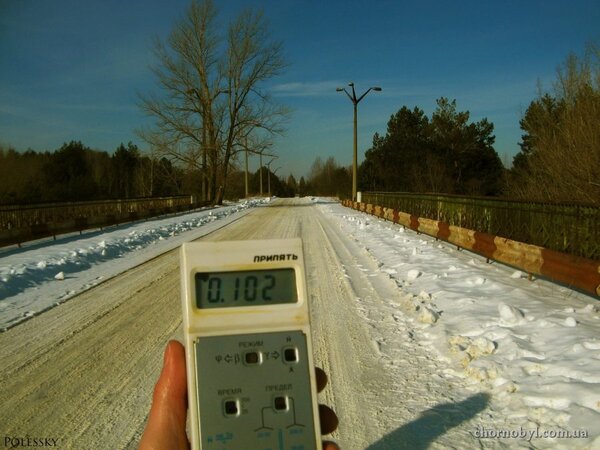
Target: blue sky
point(71, 69)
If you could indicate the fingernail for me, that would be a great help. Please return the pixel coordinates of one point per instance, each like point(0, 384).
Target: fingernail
point(168, 354)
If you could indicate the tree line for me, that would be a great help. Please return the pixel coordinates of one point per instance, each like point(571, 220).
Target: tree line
point(75, 172)
point(560, 148)
point(444, 153)
point(559, 157)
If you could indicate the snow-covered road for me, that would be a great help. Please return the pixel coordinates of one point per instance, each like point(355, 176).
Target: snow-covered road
point(425, 346)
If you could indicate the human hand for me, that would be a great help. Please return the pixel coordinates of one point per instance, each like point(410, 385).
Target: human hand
point(165, 429)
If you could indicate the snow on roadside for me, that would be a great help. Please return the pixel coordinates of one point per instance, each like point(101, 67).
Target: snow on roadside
point(533, 346)
point(42, 275)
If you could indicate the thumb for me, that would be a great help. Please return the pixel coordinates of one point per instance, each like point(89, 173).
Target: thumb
point(166, 422)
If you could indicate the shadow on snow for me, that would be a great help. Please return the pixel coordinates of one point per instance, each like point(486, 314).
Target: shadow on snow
point(431, 424)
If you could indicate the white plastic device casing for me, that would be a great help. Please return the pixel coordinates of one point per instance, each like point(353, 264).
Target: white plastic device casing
point(240, 256)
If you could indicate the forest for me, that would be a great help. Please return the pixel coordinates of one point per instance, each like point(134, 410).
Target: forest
point(444, 153)
point(560, 147)
point(75, 172)
point(559, 157)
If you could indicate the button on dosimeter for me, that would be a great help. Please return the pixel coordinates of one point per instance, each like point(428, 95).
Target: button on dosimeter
point(290, 355)
point(280, 403)
point(252, 358)
point(231, 408)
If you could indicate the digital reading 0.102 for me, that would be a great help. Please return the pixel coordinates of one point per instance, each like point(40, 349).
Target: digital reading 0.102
point(248, 288)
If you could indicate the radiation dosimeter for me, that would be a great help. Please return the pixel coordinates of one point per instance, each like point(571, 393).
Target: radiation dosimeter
point(250, 373)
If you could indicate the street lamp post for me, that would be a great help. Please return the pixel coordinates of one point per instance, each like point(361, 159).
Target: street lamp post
point(260, 155)
point(253, 125)
point(269, 173)
point(260, 173)
point(246, 171)
point(355, 102)
point(246, 159)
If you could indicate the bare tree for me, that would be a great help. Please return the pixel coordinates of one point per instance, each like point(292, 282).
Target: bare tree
point(212, 93)
point(561, 158)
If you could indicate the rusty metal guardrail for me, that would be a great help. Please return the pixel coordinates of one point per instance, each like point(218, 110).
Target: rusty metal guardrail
point(22, 223)
point(574, 271)
point(566, 228)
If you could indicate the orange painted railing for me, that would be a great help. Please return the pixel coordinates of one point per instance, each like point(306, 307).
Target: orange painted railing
point(573, 271)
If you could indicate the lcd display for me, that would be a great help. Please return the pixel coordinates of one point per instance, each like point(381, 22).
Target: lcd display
point(249, 288)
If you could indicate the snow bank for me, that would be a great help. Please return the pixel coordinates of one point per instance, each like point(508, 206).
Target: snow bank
point(42, 275)
point(533, 346)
